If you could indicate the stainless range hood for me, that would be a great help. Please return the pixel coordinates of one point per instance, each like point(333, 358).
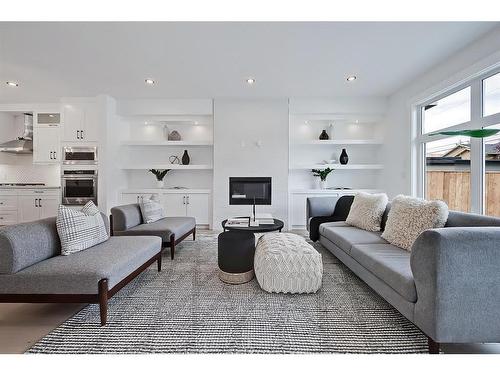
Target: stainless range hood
point(23, 144)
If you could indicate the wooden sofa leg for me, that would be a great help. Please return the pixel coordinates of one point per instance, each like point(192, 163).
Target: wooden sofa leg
point(159, 262)
point(103, 300)
point(194, 234)
point(433, 346)
point(172, 246)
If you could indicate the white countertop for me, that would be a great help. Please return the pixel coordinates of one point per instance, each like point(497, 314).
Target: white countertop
point(28, 187)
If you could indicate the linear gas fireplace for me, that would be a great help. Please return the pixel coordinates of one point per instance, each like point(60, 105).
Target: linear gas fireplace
point(250, 190)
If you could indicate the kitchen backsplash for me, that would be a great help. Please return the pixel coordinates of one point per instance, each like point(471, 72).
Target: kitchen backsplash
point(47, 174)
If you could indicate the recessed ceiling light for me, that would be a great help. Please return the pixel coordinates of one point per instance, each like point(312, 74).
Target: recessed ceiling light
point(250, 80)
point(351, 78)
point(11, 83)
point(149, 81)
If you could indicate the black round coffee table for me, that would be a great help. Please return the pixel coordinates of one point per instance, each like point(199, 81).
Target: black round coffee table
point(278, 225)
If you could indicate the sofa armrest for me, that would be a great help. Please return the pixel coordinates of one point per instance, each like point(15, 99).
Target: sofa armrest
point(126, 217)
point(457, 278)
point(320, 206)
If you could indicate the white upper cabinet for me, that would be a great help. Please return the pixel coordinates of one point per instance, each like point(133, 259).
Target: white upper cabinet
point(80, 122)
point(46, 144)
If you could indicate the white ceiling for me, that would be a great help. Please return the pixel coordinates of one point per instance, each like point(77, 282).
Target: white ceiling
point(203, 60)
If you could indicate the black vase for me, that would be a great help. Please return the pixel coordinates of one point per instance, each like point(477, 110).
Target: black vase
point(344, 158)
point(185, 158)
point(324, 135)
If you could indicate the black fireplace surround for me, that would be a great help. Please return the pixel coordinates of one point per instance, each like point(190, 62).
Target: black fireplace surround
point(243, 190)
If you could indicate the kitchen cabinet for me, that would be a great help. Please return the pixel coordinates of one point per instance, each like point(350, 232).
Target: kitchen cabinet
point(37, 204)
point(193, 205)
point(80, 122)
point(175, 204)
point(8, 208)
point(189, 202)
point(129, 198)
point(46, 144)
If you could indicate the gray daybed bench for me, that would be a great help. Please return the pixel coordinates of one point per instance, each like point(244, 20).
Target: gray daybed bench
point(448, 285)
point(32, 269)
point(127, 221)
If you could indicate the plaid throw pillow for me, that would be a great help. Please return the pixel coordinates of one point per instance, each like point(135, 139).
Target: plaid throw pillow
point(151, 211)
point(80, 229)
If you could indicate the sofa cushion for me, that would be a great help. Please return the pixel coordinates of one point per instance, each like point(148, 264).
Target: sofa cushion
point(367, 210)
point(389, 263)
point(323, 226)
point(162, 228)
point(346, 236)
point(80, 272)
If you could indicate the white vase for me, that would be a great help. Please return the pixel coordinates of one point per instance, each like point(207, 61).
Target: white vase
point(322, 184)
point(160, 184)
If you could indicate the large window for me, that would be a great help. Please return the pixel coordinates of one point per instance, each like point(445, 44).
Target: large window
point(462, 171)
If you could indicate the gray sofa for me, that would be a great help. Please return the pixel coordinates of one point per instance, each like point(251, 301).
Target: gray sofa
point(32, 269)
point(448, 285)
point(127, 221)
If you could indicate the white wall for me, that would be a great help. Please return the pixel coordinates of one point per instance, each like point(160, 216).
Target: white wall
point(480, 55)
point(238, 125)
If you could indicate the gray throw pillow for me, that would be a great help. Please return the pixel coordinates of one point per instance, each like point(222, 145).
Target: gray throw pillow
point(80, 229)
point(151, 211)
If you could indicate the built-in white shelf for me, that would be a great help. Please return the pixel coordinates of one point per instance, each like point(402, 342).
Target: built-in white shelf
point(168, 190)
point(339, 166)
point(167, 143)
point(166, 166)
point(341, 142)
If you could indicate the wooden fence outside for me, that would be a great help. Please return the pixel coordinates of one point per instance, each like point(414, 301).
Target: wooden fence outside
point(453, 187)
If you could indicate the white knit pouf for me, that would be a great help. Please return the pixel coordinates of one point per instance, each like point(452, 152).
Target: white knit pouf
point(286, 263)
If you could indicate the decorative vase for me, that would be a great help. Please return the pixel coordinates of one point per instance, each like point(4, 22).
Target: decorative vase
point(160, 184)
point(174, 136)
point(322, 184)
point(344, 158)
point(185, 158)
point(324, 135)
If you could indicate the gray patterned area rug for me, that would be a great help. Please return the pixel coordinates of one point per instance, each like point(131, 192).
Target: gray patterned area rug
point(187, 309)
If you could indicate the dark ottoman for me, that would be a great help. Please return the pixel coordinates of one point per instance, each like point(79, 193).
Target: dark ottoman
point(236, 250)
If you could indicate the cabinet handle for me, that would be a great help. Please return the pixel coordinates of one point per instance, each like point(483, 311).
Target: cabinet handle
point(50, 155)
point(39, 202)
point(137, 199)
point(184, 199)
point(55, 155)
point(81, 134)
point(187, 199)
point(78, 134)
point(36, 205)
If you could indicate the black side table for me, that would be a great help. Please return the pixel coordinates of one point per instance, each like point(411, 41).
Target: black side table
point(236, 251)
point(278, 225)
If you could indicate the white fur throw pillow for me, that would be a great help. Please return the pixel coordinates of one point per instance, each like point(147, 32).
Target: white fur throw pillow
point(409, 217)
point(367, 210)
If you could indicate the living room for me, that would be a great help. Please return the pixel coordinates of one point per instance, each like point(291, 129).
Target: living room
point(304, 187)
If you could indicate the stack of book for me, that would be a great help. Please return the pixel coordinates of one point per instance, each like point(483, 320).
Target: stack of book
point(237, 222)
point(264, 219)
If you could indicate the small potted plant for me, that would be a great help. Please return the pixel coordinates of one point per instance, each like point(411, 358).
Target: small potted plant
point(322, 174)
point(160, 175)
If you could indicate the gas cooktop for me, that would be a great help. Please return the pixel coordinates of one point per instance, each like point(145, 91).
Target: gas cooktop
point(21, 184)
